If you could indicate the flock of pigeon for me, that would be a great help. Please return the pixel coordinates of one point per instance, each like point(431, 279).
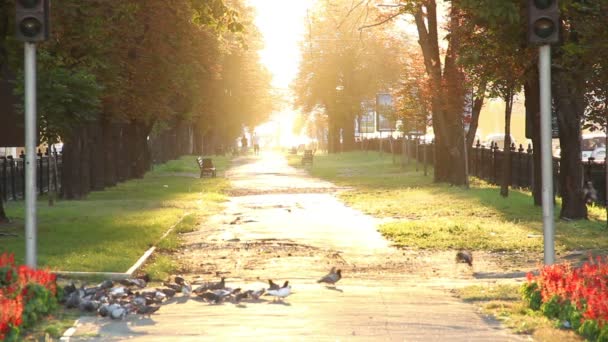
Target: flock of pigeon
point(131, 296)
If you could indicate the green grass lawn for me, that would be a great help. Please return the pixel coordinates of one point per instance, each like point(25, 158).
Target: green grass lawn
point(111, 229)
point(439, 216)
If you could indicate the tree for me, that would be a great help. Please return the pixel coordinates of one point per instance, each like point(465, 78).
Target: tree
point(447, 84)
point(343, 66)
point(494, 59)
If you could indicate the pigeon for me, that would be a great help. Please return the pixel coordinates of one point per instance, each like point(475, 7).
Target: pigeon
point(73, 300)
point(464, 257)
point(281, 292)
point(106, 309)
point(88, 305)
point(120, 292)
point(106, 284)
point(173, 286)
point(147, 310)
point(139, 300)
point(118, 312)
point(68, 289)
point(256, 294)
point(211, 297)
point(179, 280)
point(332, 277)
point(168, 292)
point(226, 292)
point(133, 282)
point(272, 285)
point(186, 288)
point(242, 295)
point(211, 286)
point(159, 296)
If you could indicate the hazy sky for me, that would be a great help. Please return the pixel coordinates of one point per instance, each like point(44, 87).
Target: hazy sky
point(282, 23)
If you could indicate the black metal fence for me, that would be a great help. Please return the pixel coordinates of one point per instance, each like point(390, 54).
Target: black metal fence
point(12, 175)
point(487, 163)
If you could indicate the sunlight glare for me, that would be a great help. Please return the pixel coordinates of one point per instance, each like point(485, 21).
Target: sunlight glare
point(282, 23)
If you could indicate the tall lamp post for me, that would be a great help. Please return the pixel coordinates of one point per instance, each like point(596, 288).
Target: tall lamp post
point(543, 30)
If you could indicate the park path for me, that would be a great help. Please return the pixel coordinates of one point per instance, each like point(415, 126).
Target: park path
point(282, 224)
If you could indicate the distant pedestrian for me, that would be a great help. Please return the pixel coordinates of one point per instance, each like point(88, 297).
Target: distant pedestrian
point(244, 144)
point(256, 144)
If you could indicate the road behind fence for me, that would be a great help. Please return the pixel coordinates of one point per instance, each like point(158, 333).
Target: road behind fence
point(487, 163)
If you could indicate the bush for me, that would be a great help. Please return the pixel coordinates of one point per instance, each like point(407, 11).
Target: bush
point(25, 296)
point(577, 296)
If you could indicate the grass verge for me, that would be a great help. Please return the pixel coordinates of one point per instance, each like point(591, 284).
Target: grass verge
point(503, 302)
point(111, 229)
point(440, 216)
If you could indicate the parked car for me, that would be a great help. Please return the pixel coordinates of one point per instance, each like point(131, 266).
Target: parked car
point(498, 138)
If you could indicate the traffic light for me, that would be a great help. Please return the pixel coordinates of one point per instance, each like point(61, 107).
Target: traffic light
point(32, 20)
point(543, 21)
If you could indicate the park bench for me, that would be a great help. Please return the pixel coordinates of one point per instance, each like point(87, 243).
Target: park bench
point(206, 166)
point(307, 157)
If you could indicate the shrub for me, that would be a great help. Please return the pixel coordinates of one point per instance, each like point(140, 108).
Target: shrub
point(578, 296)
point(25, 295)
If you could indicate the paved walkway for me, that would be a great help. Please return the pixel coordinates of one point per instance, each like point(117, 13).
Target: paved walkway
point(286, 225)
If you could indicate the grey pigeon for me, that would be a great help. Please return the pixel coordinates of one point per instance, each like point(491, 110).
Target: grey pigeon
point(134, 282)
point(173, 286)
point(211, 297)
point(68, 289)
point(103, 310)
point(88, 305)
point(147, 310)
point(179, 280)
point(242, 295)
point(281, 292)
point(106, 284)
point(186, 288)
point(272, 285)
point(464, 257)
point(168, 292)
point(139, 300)
point(73, 300)
point(256, 294)
point(211, 286)
point(332, 277)
point(118, 312)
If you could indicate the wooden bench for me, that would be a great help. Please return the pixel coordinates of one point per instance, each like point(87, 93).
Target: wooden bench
point(307, 157)
point(206, 166)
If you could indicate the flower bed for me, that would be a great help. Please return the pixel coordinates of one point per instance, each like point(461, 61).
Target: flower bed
point(576, 297)
point(25, 295)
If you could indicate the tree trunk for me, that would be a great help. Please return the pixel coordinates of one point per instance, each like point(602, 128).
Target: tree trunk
point(3, 217)
point(97, 159)
point(506, 172)
point(569, 99)
point(109, 133)
point(448, 96)
point(75, 167)
point(477, 105)
point(532, 104)
point(121, 153)
point(333, 138)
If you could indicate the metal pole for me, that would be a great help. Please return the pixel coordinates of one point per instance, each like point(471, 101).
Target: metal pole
point(466, 158)
point(606, 172)
point(544, 66)
point(30, 154)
